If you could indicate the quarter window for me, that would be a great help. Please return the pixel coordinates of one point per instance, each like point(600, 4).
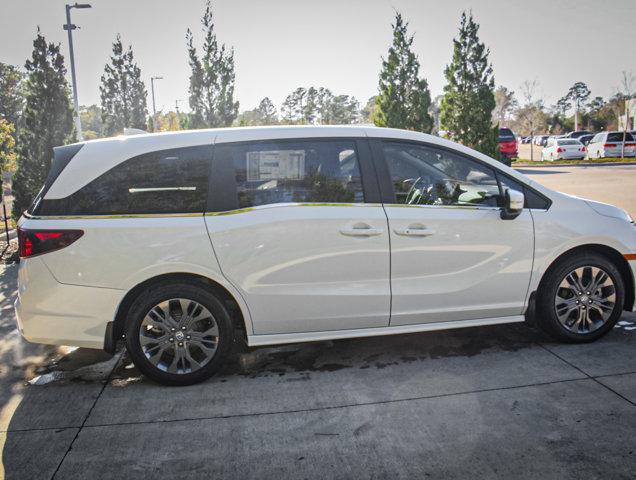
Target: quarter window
point(425, 175)
point(294, 171)
point(166, 181)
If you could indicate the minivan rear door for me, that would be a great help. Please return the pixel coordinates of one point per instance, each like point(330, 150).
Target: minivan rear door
point(298, 228)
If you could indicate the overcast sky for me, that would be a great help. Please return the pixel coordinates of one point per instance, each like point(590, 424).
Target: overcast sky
point(282, 44)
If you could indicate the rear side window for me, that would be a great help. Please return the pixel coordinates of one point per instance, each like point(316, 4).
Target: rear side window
point(166, 181)
point(618, 137)
point(505, 134)
point(308, 171)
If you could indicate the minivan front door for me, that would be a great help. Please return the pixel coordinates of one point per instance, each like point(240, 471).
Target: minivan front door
point(301, 239)
point(452, 256)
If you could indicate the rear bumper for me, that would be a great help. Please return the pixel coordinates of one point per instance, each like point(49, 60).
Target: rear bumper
point(58, 314)
point(616, 152)
point(571, 156)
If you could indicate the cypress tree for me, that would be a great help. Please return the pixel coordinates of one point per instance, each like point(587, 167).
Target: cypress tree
point(47, 120)
point(469, 100)
point(212, 79)
point(404, 97)
point(123, 92)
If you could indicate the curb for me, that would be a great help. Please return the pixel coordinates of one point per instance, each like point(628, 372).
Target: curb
point(12, 234)
point(557, 165)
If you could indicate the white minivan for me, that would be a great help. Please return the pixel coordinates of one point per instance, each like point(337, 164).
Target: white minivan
point(610, 144)
point(186, 242)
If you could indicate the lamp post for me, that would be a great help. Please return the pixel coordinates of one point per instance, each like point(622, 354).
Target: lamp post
point(69, 27)
point(154, 108)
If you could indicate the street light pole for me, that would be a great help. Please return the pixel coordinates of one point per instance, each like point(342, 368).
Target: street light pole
point(154, 108)
point(69, 27)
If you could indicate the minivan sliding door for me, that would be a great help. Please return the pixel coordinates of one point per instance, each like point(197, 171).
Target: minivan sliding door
point(299, 230)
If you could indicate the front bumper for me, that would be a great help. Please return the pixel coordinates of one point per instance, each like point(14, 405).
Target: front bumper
point(59, 314)
point(632, 266)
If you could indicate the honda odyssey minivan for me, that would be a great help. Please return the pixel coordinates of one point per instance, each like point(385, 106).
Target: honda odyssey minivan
point(185, 242)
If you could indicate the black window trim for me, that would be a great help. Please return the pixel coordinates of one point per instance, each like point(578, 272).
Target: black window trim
point(384, 176)
point(223, 189)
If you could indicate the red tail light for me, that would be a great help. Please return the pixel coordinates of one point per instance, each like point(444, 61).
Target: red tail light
point(630, 145)
point(37, 242)
point(609, 145)
point(582, 149)
point(559, 150)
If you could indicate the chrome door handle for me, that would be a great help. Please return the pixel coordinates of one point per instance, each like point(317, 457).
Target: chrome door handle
point(361, 232)
point(414, 232)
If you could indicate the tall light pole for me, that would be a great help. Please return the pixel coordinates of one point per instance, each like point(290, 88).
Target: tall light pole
point(154, 108)
point(69, 27)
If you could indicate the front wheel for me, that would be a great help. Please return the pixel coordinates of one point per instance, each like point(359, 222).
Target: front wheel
point(178, 334)
point(581, 299)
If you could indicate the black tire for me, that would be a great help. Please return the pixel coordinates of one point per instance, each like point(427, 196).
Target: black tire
point(546, 312)
point(160, 293)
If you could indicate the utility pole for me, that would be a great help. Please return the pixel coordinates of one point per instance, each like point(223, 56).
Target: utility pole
point(176, 106)
point(69, 27)
point(154, 108)
point(625, 124)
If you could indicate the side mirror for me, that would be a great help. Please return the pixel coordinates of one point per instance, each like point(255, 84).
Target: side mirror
point(514, 201)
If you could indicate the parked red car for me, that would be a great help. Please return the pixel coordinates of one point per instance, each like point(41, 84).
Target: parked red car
point(507, 145)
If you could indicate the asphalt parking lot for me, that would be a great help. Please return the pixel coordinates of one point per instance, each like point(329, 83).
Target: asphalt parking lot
point(490, 402)
point(615, 184)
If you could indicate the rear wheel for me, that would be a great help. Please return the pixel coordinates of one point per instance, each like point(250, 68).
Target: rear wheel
point(178, 334)
point(581, 299)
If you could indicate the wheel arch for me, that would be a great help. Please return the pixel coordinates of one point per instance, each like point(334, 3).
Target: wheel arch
point(116, 329)
point(608, 252)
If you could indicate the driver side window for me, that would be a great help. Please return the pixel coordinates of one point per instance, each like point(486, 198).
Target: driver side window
point(426, 175)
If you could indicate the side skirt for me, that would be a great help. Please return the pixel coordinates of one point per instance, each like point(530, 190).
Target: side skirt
point(280, 338)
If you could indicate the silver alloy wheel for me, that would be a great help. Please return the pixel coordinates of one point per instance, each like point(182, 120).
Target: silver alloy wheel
point(179, 336)
point(585, 299)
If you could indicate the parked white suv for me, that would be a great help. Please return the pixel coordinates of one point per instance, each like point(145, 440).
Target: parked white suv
point(185, 242)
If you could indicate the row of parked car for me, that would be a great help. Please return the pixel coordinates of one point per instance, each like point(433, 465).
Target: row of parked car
point(584, 144)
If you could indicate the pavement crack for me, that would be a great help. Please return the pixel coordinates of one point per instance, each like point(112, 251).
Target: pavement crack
point(88, 414)
point(595, 379)
point(334, 407)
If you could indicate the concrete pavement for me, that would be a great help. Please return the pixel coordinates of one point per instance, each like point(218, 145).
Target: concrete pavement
point(485, 402)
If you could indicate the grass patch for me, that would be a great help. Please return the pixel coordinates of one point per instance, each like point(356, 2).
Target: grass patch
point(528, 163)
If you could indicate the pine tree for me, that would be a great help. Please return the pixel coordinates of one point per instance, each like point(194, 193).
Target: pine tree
point(7, 148)
point(212, 79)
point(123, 92)
point(578, 94)
point(11, 99)
point(404, 97)
point(469, 100)
point(47, 120)
point(266, 112)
